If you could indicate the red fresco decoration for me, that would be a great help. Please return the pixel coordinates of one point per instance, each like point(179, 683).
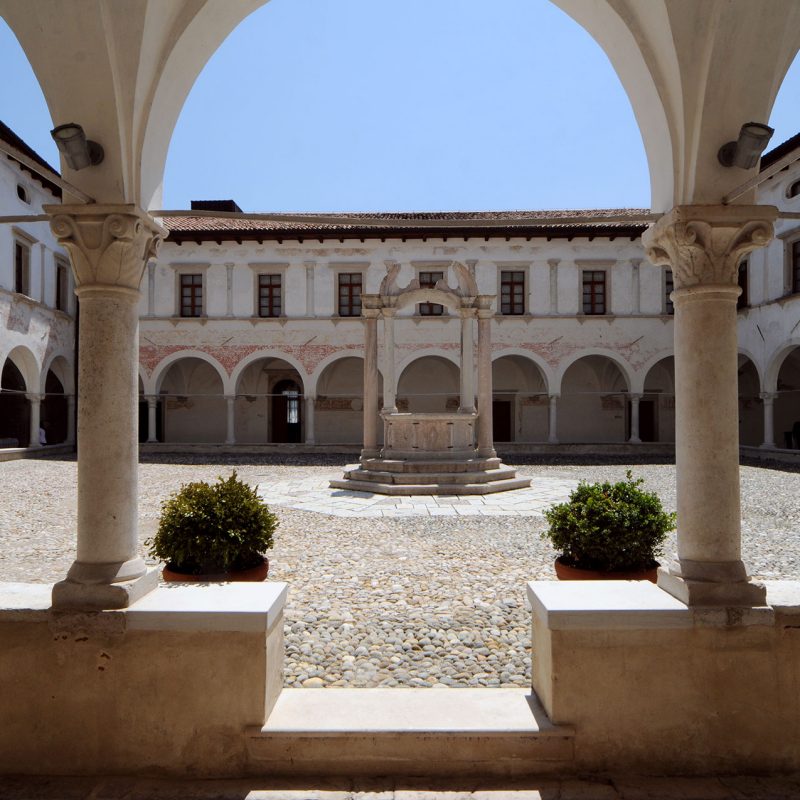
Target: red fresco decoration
point(229, 356)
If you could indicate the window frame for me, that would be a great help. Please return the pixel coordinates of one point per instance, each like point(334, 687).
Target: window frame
point(427, 309)
point(349, 271)
point(280, 292)
point(61, 300)
point(594, 271)
point(22, 243)
point(501, 283)
point(793, 264)
point(668, 285)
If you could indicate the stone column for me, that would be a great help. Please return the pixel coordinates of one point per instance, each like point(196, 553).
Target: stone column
point(310, 436)
point(485, 432)
point(768, 399)
point(35, 401)
point(70, 419)
point(370, 311)
point(552, 432)
point(230, 426)
point(229, 289)
point(467, 360)
point(151, 289)
point(634, 437)
point(109, 246)
point(389, 387)
point(152, 407)
point(635, 291)
point(703, 245)
point(553, 264)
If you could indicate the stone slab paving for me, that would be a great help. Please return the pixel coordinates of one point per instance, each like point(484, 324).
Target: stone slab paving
point(608, 788)
point(313, 493)
point(415, 599)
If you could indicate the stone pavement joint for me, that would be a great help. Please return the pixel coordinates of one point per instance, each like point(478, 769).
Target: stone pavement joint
point(314, 494)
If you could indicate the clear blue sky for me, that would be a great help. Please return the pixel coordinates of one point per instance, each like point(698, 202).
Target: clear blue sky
point(348, 105)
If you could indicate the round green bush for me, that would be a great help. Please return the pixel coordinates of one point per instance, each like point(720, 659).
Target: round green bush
point(609, 527)
point(209, 529)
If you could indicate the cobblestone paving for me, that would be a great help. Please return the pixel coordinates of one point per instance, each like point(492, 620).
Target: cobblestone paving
point(415, 600)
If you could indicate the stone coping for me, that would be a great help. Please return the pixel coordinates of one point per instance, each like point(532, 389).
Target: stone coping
point(242, 607)
point(618, 605)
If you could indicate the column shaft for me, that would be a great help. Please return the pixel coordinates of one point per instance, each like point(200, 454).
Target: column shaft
point(70, 419)
point(35, 401)
point(230, 427)
point(310, 434)
point(768, 399)
point(552, 432)
point(467, 361)
point(389, 388)
point(152, 405)
point(485, 432)
point(634, 437)
point(370, 384)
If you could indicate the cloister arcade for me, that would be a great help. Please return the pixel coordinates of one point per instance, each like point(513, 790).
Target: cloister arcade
point(695, 674)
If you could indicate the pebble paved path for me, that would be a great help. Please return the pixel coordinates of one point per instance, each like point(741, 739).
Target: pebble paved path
point(414, 600)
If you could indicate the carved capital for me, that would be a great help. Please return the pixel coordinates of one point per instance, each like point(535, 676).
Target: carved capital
point(704, 244)
point(109, 245)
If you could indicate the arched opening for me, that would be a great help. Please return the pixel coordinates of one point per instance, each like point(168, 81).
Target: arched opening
point(15, 410)
point(269, 403)
point(751, 410)
point(193, 402)
point(519, 400)
point(594, 404)
point(787, 402)
point(657, 406)
point(339, 406)
point(429, 384)
point(54, 408)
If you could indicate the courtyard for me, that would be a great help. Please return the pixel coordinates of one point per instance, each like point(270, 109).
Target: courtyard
point(388, 591)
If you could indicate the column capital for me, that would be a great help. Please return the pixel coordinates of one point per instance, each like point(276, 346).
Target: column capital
point(388, 312)
point(108, 245)
point(230, 397)
point(467, 312)
point(152, 399)
point(553, 396)
point(704, 244)
point(635, 395)
point(34, 397)
point(769, 396)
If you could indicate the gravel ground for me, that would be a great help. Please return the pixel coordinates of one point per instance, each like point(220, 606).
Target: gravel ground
point(386, 602)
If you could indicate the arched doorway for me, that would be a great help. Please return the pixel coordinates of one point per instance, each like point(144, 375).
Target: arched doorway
point(787, 402)
point(519, 400)
point(429, 384)
point(594, 405)
point(54, 409)
point(15, 411)
point(751, 413)
point(194, 405)
point(657, 406)
point(269, 400)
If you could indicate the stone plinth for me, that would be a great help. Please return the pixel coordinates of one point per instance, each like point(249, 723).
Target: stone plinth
point(429, 436)
point(166, 686)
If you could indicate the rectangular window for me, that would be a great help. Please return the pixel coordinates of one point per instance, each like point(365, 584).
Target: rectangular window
point(669, 288)
point(512, 292)
point(428, 280)
point(796, 267)
point(22, 268)
point(350, 294)
point(594, 291)
point(743, 300)
point(192, 295)
point(269, 295)
point(61, 286)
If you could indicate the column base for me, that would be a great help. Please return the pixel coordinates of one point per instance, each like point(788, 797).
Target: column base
point(370, 453)
point(697, 583)
point(767, 446)
point(92, 586)
point(487, 452)
point(634, 440)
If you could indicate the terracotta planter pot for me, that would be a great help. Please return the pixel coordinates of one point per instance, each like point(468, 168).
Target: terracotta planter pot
point(258, 573)
point(567, 573)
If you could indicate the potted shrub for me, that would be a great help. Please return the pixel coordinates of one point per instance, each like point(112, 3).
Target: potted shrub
point(612, 531)
point(216, 532)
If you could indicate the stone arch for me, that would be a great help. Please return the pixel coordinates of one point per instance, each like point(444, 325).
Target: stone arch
point(775, 364)
point(751, 413)
point(15, 408)
point(519, 398)
point(28, 365)
point(339, 391)
point(624, 367)
point(429, 382)
point(594, 400)
point(57, 382)
point(258, 355)
point(267, 408)
point(192, 392)
point(163, 366)
point(785, 385)
point(62, 366)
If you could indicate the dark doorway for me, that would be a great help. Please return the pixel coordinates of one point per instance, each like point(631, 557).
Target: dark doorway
point(144, 420)
point(54, 410)
point(286, 414)
point(648, 429)
point(15, 410)
point(501, 421)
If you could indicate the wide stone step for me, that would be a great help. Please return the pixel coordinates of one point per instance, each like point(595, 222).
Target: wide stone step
point(397, 489)
point(504, 473)
point(443, 465)
point(409, 733)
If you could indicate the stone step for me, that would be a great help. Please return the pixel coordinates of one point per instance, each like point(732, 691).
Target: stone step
point(504, 473)
point(409, 733)
point(443, 465)
point(431, 488)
